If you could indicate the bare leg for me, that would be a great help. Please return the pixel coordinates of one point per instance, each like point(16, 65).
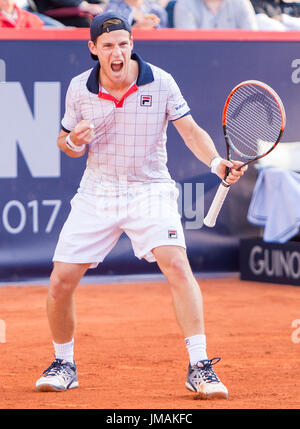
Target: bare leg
point(187, 299)
point(62, 374)
point(60, 301)
point(186, 294)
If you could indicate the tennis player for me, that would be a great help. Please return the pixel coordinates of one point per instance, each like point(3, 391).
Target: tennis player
point(120, 111)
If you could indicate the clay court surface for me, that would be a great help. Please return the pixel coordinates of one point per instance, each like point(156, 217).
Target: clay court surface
point(130, 352)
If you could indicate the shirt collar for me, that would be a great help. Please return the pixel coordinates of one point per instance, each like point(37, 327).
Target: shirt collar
point(145, 75)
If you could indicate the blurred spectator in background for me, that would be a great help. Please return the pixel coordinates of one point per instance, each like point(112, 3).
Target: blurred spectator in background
point(291, 8)
point(270, 16)
point(213, 14)
point(11, 16)
point(49, 22)
point(75, 13)
point(169, 5)
point(145, 14)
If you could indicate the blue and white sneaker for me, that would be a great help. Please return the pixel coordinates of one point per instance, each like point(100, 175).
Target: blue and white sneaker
point(61, 375)
point(202, 379)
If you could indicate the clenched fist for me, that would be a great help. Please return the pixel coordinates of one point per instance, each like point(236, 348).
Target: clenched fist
point(83, 133)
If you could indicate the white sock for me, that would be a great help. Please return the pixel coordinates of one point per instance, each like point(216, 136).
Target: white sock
point(196, 346)
point(64, 351)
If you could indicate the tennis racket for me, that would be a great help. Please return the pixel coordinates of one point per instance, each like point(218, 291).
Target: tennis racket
point(253, 122)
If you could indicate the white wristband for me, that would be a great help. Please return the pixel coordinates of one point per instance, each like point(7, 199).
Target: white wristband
point(73, 146)
point(214, 164)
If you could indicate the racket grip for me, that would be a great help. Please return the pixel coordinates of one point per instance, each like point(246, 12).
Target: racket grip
point(216, 205)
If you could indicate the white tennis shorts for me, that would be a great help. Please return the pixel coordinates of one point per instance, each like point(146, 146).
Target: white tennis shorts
point(148, 214)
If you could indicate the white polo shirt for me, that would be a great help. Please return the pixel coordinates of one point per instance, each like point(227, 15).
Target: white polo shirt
point(130, 134)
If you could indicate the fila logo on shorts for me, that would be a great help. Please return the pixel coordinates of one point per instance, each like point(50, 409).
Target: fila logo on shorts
point(172, 233)
point(146, 100)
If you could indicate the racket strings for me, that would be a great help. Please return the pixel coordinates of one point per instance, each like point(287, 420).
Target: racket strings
point(258, 134)
point(253, 121)
point(260, 110)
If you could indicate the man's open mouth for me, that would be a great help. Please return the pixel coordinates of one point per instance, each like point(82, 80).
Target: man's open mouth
point(116, 66)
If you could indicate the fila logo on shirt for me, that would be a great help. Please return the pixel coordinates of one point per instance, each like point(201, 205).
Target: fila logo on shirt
point(172, 233)
point(146, 100)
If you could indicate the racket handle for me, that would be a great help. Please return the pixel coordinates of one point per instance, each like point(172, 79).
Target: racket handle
point(216, 205)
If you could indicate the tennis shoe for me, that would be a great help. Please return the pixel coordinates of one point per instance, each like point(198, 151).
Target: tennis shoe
point(61, 375)
point(202, 379)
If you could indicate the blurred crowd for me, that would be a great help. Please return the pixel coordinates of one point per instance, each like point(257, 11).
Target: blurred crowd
point(266, 15)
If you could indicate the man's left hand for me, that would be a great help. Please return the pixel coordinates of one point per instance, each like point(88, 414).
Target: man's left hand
point(234, 174)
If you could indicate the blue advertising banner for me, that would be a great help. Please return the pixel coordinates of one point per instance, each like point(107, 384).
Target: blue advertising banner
point(270, 262)
point(37, 181)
